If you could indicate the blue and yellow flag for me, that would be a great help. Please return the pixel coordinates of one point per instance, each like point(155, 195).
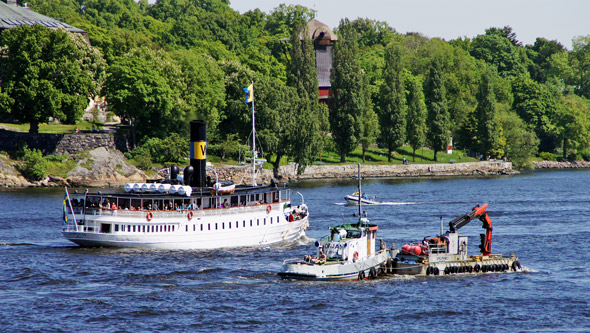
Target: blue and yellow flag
point(249, 93)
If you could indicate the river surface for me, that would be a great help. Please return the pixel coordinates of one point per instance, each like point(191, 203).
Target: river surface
point(50, 284)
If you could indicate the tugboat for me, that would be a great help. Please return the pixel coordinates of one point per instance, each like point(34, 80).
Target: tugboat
point(188, 212)
point(348, 253)
point(447, 253)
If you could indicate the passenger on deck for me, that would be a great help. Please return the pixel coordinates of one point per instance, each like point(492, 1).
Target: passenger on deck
point(336, 235)
point(322, 256)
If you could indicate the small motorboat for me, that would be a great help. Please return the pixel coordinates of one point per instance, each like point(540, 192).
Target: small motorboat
point(347, 253)
point(353, 199)
point(446, 254)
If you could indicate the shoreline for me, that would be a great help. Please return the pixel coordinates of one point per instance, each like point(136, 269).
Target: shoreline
point(288, 173)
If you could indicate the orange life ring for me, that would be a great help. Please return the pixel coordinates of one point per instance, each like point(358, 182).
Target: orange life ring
point(268, 209)
point(356, 256)
point(149, 216)
point(190, 215)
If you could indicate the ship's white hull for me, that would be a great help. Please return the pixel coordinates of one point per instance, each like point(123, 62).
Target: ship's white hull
point(206, 229)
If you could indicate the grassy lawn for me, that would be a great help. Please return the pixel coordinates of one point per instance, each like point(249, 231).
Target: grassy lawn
point(53, 128)
point(376, 155)
point(373, 156)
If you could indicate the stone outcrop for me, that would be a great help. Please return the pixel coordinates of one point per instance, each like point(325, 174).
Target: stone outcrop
point(9, 176)
point(104, 167)
point(97, 167)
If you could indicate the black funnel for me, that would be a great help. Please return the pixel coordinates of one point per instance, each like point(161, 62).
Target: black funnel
point(198, 147)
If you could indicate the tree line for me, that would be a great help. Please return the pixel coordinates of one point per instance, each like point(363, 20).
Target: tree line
point(161, 65)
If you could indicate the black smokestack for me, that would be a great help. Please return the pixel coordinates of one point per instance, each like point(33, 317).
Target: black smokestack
point(198, 145)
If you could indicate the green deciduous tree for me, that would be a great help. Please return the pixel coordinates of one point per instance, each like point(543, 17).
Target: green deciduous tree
point(541, 54)
point(416, 125)
point(521, 142)
point(537, 107)
point(580, 63)
point(237, 115)
point(202, 93)
point(495, 49)
point(392, 102)
point(143, 88)
point(573, 123)
point(47, 74)
point(436, 104)
point(347, 99)
point(275, 117)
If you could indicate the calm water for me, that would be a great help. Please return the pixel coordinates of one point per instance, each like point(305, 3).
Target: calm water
point(49, 284)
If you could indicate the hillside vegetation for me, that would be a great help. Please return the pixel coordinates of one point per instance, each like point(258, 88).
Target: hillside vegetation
point(394, 96)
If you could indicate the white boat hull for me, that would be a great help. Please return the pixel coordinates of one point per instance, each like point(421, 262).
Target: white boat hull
point(337, 270)
point(207, 229)
point(354, 200)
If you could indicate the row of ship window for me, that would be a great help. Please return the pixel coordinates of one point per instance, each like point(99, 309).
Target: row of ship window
point(171, 228)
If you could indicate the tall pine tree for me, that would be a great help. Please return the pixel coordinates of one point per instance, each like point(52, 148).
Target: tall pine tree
point(416, 126)
point(302, 74)
point(370, 129)
point(487, 126)
point(392, 104)
point(436, 103)
point(348, 95)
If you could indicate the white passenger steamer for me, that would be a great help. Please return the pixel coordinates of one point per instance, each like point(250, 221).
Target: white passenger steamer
point(185, 213)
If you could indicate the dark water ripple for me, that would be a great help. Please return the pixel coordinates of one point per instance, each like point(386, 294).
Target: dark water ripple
point(49, 284)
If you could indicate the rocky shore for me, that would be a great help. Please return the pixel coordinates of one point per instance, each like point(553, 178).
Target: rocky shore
point(561, 165)
point(94, 168)
point(289, 173)
point(107, 167)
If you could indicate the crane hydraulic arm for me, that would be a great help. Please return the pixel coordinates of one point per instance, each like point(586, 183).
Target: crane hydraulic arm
point(476, 212)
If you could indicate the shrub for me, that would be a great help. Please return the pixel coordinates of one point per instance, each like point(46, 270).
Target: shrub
point(585, 154)
point(546, 156)
point(34, 166)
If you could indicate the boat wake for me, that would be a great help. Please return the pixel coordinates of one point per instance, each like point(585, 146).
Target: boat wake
point(304, 240)
point(387, 203)
point(395, 203)
point(17, 244)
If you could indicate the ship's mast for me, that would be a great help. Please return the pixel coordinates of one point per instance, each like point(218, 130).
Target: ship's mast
point(359, 189)
point(254, 153)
